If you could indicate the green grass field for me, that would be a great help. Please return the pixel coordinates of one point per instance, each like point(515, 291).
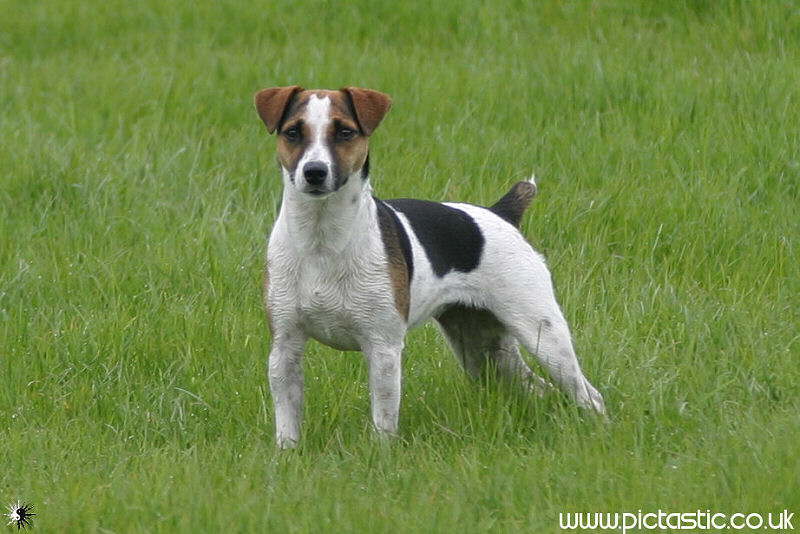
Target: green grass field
point(137, 186)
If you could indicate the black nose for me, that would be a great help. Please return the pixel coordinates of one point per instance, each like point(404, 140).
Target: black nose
point(315, 172)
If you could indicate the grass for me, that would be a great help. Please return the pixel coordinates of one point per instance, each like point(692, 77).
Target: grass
point(137, 187)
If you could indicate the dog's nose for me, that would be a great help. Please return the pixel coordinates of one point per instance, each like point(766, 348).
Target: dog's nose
point(315, 172)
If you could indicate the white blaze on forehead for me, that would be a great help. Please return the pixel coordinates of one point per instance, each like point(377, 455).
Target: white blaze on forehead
point(318, 117)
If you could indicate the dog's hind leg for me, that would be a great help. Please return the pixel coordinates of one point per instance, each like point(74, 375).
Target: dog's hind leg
point(480, 341)
point(510, 365)
point(549, 340)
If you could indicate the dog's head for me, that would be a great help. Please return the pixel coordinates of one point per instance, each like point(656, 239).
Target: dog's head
point(322, 135)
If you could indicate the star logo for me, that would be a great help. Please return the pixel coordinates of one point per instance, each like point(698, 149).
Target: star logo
point(21, 514)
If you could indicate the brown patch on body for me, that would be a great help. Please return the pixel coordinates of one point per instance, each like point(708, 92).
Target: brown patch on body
point(399, 270)
point(515, 202)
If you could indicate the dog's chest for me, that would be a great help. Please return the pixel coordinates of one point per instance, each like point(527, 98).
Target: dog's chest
point(326, 288)
point(336, 298)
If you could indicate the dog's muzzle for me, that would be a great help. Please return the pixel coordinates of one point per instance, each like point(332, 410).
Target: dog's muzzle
point(315, 174)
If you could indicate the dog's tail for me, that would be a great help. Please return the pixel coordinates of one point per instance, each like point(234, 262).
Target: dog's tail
point(516, 201)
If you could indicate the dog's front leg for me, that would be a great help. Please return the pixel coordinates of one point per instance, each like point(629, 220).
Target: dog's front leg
point(384, 361)
point(286, 387)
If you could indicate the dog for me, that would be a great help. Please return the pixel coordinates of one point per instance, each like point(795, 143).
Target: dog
point(356, 273)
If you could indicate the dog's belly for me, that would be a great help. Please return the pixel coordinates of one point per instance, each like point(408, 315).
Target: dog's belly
point(330, 330)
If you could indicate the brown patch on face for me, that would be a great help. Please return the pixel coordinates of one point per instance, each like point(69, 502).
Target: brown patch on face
point(349, 151)
point(290, 151)
point(291, 147)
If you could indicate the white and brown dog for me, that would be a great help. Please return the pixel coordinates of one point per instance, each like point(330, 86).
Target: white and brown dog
point(356, 273)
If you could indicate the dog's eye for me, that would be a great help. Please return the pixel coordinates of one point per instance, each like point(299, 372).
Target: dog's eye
point(292, 134)
point(345, 134)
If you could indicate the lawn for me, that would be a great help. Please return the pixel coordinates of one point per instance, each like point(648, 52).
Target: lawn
point(137, 187)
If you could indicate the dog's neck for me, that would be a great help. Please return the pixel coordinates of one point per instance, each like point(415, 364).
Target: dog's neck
point(332, 224)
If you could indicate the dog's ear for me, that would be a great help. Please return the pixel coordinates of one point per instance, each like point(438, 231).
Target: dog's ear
point(370, 107)
point(271, 104)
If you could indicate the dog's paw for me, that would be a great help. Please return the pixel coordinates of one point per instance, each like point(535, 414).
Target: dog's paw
point(591, 399)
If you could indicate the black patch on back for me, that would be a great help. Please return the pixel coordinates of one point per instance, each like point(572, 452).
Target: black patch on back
point(390, 225)
point(450, 237)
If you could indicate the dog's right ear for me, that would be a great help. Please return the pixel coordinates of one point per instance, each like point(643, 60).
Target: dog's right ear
point(271, 104)
point(370, 107)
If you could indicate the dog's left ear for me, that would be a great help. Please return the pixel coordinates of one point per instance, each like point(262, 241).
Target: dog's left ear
point(370, 107)
point(271, 104)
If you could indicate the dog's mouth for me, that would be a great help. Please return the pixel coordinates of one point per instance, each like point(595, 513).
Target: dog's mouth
point(317, 192)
